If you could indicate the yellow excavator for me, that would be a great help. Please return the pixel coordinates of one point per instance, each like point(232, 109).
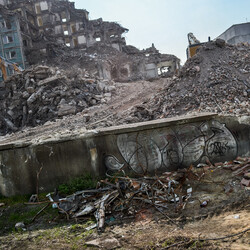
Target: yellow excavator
point(5, 63)
point(194, 44)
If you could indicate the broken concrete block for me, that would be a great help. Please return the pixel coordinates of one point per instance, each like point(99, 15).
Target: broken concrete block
point(26, 94)
point(107, 95)
point(66, 109)
point(245, 182)
point(220, 42)
point(101, 86)
point(51, 79)
point(31, 99)
point(41, 75)
point(241, 170)
point(93, 101)
point(110, 243)
point(30, 90)
point(247, 175)
point(110, 88)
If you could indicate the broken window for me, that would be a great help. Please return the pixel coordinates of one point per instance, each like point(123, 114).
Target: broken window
point(2, 24)
point(8, 25)
point(67, 42)
point(73, 28)
point(19, 11)
point(86, 15)
point(11, 70)
point(164, 71)
point(65, 30)
point(64, 16)
point(7, 39)
point(58, 29)
point(38, 8)
point(40, 21)
point(75, 41)
point(57, 17)
point(25, 43)
point(11, 54)
point(30, 19)
point(43, 51)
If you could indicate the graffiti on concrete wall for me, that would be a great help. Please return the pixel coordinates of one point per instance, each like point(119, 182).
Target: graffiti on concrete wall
point(171, 148)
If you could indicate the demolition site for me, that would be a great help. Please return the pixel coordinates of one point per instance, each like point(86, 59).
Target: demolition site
point(107, 146)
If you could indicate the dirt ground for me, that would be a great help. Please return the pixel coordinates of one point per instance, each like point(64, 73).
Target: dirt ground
point(221, 224)
point(145, 233)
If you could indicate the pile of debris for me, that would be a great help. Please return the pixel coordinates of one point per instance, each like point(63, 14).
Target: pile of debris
point(42, 94)
point(120, 198)
point(216, 79)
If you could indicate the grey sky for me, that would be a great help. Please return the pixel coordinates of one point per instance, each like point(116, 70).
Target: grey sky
point(167, 22)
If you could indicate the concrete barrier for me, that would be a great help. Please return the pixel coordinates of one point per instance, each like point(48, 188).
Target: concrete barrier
point(149, 147)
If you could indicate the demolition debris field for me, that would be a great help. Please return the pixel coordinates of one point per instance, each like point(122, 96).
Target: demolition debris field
point(196, 208)
point(81, 76)
point(43, 98)
point(200, 207)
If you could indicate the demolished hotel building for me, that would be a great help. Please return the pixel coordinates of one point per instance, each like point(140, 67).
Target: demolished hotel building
point(31, 29)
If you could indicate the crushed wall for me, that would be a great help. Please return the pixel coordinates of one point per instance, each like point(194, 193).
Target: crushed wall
point(150, 147)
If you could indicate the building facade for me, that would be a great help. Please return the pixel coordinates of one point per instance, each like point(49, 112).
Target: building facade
point(237, 33)
point(36, 24)
point(11, 42)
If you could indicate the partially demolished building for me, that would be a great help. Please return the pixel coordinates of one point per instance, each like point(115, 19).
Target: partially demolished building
point(31, 29)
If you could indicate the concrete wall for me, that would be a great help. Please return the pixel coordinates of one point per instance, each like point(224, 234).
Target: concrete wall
point(149, 147)
point(151, 71)
point(237, 33)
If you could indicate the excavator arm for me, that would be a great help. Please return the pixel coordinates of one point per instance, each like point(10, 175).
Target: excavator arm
point(194, 44)
point(4, 63)
point(3, 68)
point(192, 39)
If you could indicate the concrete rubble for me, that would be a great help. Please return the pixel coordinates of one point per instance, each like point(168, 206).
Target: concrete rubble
point(44, 94)
point(49, 37)
point(80, 76)
point(183, 193)
point(216, 79)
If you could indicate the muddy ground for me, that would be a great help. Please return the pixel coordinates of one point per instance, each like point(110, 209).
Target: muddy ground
point(222, 224)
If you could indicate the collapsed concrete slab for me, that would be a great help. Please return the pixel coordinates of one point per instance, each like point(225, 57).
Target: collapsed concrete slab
point(149, 147)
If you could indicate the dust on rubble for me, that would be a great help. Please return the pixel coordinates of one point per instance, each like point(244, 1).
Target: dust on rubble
point(216, 79)
point(112, 100)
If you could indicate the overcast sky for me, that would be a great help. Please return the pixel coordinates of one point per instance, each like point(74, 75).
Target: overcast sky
point(167, 22)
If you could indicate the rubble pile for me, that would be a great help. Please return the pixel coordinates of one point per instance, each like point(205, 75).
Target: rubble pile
point(185, 192)
point(216, 79)
point(42, 94)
